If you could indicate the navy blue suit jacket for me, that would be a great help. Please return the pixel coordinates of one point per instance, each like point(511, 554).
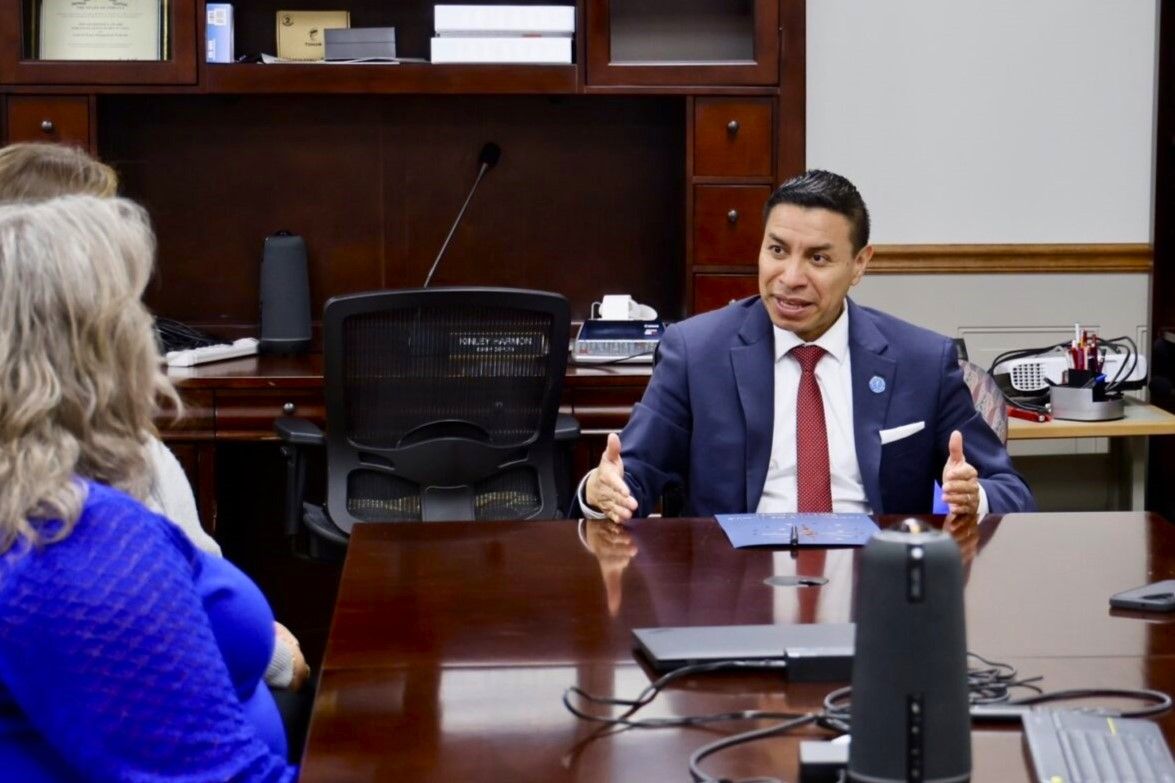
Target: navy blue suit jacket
point(706, 419)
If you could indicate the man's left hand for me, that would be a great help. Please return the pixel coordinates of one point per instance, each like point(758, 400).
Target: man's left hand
point(960, 481)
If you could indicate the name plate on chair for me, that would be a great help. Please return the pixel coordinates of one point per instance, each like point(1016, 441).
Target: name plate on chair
point(478, 344)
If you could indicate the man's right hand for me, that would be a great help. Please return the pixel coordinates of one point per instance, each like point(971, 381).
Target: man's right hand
point(606, 489)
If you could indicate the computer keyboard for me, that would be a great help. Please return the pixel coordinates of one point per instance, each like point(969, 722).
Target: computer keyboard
point(616, 342)
point(1069, 746)
point(246, 346)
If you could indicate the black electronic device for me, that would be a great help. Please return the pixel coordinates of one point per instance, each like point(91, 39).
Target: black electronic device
point(488, 158)
point(285, 295)
point(616, 342)
point(909, 712)
point(811, 652)
point(1155, 597)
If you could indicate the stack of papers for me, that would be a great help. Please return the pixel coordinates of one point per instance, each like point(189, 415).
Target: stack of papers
point(535, 34)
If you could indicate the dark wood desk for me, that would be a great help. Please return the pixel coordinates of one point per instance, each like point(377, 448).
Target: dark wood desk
point(451, 644)
point(238, 400)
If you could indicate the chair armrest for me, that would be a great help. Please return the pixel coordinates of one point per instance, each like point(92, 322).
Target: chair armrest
point(299, 432)
point(315, 519)
point(566, 427)
point(296, 434)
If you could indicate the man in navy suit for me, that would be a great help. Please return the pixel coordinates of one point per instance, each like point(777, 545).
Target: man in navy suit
point(719, 416)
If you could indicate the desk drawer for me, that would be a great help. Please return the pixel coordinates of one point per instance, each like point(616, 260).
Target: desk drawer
point(732, 137)
point(198, 421)
point(250, 414)
point(606, 409)
point(714, 291)
point(61, 119)
point(728, 224)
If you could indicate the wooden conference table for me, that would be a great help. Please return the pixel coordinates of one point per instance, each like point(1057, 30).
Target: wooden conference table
point(452, 643)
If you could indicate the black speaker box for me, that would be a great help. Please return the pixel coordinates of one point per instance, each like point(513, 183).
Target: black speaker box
point(285, 295)
point(910, 715)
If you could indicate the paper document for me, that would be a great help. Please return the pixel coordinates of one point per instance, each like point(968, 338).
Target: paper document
point(100, 29)
point(782, 530)
point(270, 59)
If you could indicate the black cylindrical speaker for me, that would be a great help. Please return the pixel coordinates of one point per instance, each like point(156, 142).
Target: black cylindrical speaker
point(910, 715)
point(285, 295)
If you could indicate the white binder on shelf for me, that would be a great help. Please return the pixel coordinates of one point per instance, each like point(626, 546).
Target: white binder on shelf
point(534, 51)
point(504, 20)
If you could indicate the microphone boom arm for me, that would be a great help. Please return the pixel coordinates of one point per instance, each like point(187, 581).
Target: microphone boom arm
point(489, 157)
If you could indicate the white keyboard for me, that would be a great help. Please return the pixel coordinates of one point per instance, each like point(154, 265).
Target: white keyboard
point(246, 346)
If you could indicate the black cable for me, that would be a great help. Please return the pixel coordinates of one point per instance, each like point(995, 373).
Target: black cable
point(652, 689)
point(992, 682)
point(1036, 402)
point(1132, 353)
point(698, 776)
point(1161, 701)
point(1022, 353)
point(617, 360)
point(623, 722)
point(177, 336)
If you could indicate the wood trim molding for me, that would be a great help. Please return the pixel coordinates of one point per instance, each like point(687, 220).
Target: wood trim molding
point(1011, 259)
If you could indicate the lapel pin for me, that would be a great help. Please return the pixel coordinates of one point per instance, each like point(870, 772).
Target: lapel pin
point(877, 384)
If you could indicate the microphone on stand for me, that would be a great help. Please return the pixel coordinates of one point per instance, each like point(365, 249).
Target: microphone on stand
point(488, 158)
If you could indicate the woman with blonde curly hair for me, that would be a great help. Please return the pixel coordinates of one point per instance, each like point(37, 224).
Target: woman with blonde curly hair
point(125, 652)
point(31, 172)
point(34, 172)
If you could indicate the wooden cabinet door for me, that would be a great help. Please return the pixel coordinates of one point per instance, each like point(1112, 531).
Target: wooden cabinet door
point(728, 223)
point(19, 63)
point(58, 119)
point(733, 137)
point(682, 42)
point(714, 291)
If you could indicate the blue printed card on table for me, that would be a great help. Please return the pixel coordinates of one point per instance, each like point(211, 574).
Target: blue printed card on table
point(775, 530)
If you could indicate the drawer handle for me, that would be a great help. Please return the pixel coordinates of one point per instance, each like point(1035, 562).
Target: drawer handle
point(47, 126)
point(732, 216)
point(732, 127)
point(288, 409)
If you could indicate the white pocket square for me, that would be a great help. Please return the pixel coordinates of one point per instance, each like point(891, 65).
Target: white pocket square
point(904, 431)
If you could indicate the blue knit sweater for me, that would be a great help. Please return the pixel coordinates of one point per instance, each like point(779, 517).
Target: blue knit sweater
point(128, 655)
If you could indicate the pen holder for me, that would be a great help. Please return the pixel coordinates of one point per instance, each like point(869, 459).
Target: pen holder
point(1079, 379)
point(1085, 403)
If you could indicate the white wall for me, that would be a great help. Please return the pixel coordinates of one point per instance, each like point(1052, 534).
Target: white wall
point(1005, 122)
point(988, 121)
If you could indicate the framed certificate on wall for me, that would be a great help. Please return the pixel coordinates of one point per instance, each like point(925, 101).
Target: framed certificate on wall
point(101, 30)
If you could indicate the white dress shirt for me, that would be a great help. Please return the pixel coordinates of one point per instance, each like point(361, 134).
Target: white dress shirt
point(835, 378)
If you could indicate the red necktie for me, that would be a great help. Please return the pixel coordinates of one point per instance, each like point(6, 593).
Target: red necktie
point(813, 484)
point(813, 480)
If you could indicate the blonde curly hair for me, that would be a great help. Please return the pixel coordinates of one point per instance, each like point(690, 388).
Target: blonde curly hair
point(35, 172)
point(80, 373)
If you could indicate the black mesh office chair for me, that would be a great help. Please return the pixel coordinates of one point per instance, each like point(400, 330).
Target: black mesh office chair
point(441, 404)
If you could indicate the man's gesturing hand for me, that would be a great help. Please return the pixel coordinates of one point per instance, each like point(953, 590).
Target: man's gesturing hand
point(606, 489)
point(960, 481)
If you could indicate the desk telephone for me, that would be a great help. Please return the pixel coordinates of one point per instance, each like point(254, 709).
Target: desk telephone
point(620, 331)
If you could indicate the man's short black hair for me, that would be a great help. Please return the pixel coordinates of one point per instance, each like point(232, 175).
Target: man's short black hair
point(816, 188)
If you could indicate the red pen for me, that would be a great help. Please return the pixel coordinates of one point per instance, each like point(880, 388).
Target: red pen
point(1021, 413)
